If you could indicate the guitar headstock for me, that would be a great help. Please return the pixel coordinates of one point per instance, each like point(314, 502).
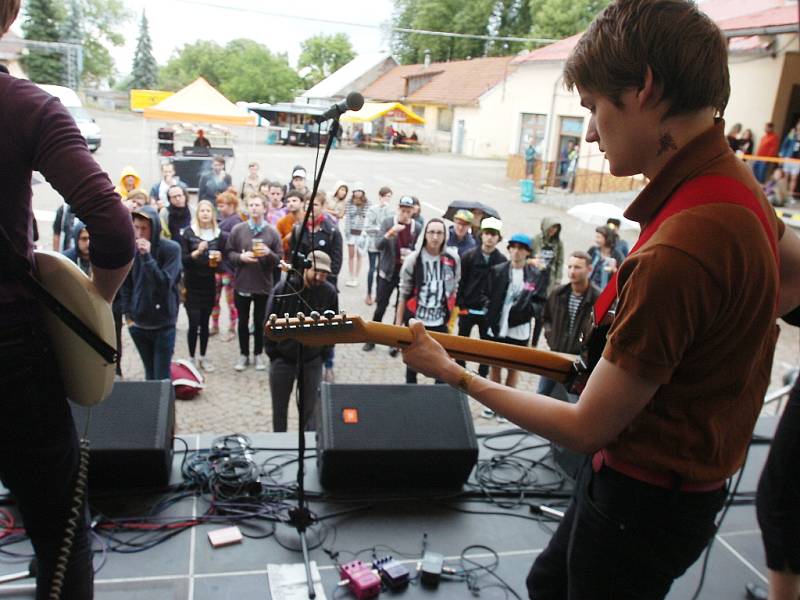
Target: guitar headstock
point(316, 329)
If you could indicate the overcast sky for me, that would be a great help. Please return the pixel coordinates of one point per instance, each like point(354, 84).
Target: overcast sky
point(174, 23)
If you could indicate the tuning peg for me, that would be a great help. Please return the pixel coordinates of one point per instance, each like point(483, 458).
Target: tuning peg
point(272, 318)
point(300, 316)
point(315, 315)
point(329, 314)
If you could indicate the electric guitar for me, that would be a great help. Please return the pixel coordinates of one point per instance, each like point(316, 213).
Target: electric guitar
point(319, 330)
point(87, 375)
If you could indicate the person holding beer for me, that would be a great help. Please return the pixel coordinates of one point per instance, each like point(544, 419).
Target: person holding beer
point(253, 248)
point(201, 245)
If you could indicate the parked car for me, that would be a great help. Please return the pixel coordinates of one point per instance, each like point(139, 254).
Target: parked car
point(89, 128)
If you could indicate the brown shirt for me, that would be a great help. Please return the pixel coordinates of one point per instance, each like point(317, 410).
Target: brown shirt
point(696, 314)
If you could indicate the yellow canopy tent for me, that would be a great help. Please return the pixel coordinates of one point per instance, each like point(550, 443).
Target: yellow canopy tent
point(395, 111)
point(200, 102)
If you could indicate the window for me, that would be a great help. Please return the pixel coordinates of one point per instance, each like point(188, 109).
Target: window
point(572, 126)
point(532, 128)
point(445, 121)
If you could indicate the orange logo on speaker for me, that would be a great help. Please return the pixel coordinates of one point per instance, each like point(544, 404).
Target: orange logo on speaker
point(350, 416)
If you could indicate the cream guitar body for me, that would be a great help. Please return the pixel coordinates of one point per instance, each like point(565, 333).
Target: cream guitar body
point(87, 377)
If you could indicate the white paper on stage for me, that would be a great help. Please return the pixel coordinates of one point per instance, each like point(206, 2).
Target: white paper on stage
point(288, 582)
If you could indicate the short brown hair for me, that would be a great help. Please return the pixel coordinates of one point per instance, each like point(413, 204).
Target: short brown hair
point(384, 191)
point(683, 47)
point(583, 256)
point(8, 13)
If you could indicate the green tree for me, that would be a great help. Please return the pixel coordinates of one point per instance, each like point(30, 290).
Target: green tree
point(102, 20)
point(242, 70)
point(507, 18)
point(562, 18)
point(42, 23)
point(324, 54)
point(145, 69)
point(200, 59)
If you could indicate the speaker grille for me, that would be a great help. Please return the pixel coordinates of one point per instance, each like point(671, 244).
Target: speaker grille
point(131, 434)
point(395, 435)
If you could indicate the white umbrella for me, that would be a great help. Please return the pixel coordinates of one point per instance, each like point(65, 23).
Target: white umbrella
point(598, 213)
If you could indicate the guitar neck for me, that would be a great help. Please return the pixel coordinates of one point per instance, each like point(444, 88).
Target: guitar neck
point(553, 365)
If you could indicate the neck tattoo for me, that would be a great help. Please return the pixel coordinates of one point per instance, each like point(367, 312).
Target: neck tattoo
point(665, 144)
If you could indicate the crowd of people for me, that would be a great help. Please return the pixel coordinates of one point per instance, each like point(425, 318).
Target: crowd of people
point(779, 179)
point(232, 247)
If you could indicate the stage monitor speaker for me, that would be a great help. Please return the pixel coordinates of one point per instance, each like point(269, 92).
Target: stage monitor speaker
point(409, 437)
point(568, 461)
point(131, 435)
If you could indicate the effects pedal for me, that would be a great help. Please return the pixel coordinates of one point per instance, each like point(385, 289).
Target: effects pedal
point(392, 573)
point(361, 579)
point(432, 565)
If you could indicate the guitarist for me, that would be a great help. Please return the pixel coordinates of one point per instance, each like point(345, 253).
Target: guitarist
point(38, 442)
point(668, 412)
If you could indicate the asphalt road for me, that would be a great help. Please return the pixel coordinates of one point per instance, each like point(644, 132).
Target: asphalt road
point(240, 401)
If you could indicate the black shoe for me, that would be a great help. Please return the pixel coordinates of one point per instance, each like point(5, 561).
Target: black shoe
point(368, 346)
point(756, 591)
point(394, 352)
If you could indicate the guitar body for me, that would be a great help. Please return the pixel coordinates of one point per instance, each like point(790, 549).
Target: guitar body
point(87, 377)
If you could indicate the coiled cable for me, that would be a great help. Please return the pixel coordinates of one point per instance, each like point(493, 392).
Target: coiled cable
point(81, 480)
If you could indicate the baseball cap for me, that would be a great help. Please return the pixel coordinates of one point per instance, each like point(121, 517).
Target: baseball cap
point(358, 187)
point(464, 215)
point(299, 173)
point(406, 201)
point(520, 239)
point(320, 261)
point(492, 223)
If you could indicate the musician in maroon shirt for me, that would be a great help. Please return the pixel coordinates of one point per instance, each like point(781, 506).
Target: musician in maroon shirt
point(38, 443)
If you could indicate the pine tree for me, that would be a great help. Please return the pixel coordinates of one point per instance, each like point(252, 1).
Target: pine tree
point(145, 69)
point(42, 23)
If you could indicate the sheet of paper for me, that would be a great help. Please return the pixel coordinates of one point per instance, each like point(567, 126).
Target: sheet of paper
point(288, 582)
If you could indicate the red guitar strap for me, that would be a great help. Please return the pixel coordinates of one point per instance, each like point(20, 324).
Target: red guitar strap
point(708, 189)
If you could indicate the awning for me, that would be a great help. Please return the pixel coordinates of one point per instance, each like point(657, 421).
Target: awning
point(200, 102)
point(395, 111)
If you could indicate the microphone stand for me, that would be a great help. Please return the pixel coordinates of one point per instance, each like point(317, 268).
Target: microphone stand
point(300, 517)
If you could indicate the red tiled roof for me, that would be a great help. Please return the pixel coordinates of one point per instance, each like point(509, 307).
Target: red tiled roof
point(460, 82)
point(730, 15)
point(556, 51)
point(771, 17)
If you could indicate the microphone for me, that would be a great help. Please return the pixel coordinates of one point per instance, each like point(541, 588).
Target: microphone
point(354, 101)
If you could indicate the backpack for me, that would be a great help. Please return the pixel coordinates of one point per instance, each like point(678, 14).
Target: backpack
point(186, 379)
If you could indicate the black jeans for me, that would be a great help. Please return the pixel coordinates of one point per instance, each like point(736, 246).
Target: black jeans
point(465, 325)
point(39, 457)
point(198, 324)
point(259, 302)
point(383, 294)
point(622, 539)
point(282, 375)
point(778, 498)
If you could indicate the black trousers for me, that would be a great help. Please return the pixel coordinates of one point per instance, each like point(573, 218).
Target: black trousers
point(259, 303)
point(39, 457)
point(778, 499)
point(465, 325)
point(198, 325)
point(383, 294)
point(622, 539)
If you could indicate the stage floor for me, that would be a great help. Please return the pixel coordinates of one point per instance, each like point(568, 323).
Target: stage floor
point(186, 567)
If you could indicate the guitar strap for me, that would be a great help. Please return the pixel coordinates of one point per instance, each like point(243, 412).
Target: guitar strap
point(18, 267)
point(708, 189)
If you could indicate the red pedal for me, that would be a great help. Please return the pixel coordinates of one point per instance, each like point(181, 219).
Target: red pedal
point(361, 579)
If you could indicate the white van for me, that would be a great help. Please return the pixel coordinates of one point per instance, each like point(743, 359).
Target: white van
point(87, 125)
